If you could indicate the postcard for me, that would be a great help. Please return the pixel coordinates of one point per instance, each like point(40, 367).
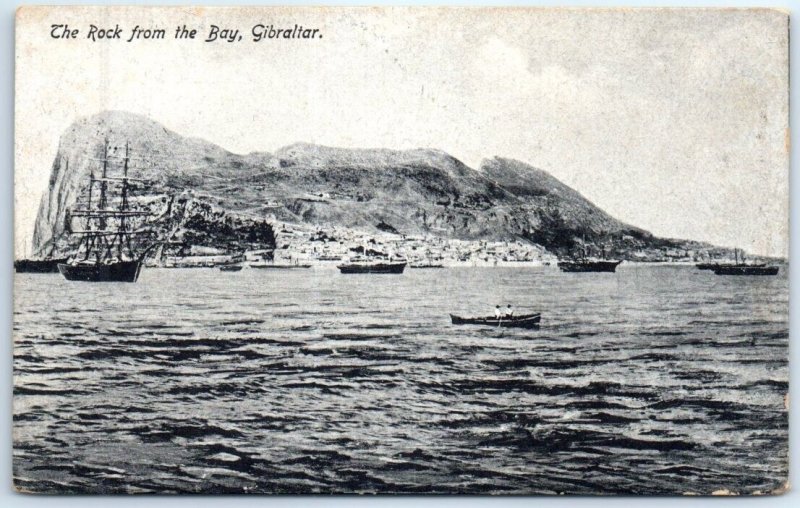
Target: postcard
point(401, 250)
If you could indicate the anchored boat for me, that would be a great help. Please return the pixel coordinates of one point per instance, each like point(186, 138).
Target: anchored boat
point(92, 271)
point(373, 267)
point(277, 266)
point(38, 265)
point(280, 266)
point(743, 268)
point(706, 266)
point(588, 264)
point(105, 253)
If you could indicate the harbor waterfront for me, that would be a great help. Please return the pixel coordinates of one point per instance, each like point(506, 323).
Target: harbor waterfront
point(655, 379)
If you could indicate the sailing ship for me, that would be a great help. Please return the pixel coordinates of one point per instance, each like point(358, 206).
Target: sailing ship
point(588, 264)
point(104, 252)
point(743, 268)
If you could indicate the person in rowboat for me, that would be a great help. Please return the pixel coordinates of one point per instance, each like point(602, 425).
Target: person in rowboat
point(509, 312)
point(497, 313)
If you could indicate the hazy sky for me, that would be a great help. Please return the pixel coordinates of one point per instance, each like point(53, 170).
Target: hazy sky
point(674, 121)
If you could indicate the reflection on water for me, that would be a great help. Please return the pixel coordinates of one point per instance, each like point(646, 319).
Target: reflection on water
point(651, 380)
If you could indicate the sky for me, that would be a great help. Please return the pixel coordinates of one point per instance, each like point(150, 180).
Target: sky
point(675, 121)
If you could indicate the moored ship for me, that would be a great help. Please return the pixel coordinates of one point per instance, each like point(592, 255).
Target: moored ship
point(280, 265)
point(231, 268)
point(105, 253)
point(745, 270)
point(741, 267)
point(373, 267)
point(38, 265)
point(588, 264)
point(706, 266)
point(104, 271)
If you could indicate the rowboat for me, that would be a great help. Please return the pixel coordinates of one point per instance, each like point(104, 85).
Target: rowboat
point(230, 268)
point(521, 321)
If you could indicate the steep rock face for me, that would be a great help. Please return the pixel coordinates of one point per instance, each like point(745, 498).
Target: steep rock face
point(171, 167)
point(538, 189)
point(422, 191)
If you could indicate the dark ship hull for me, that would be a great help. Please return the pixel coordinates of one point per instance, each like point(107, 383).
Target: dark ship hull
point(372, 268)
point(712, 266)
point(122, 271)
point(522, 321)
point(588, 266)
point(706, 266)
point(745, 270)
point(280, 267)
point(37, 265)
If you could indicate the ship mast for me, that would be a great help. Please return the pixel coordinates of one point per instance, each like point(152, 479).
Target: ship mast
point(98, 239)
point(123, 236)
point(103, 202)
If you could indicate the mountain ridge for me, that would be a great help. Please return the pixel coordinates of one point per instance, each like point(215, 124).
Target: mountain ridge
point(423, 191)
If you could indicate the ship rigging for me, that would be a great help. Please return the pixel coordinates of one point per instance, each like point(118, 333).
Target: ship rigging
point(105, 252)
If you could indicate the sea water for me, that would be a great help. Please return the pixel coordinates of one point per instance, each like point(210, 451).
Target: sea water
point(656, 379)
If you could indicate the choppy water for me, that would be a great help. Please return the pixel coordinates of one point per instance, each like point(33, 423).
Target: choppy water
point(651, 380)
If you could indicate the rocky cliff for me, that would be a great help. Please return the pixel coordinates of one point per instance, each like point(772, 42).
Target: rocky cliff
point(201, 194)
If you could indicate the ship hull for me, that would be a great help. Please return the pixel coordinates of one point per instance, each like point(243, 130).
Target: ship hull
point(706, 266)
point(373, 268)
point(530, 321)
point(37, 265)
point(123, 271)
point(745, 270)
point(280, 267)
point(588, 266)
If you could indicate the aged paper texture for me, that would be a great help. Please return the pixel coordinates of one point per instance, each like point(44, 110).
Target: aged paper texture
point(401, 250)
